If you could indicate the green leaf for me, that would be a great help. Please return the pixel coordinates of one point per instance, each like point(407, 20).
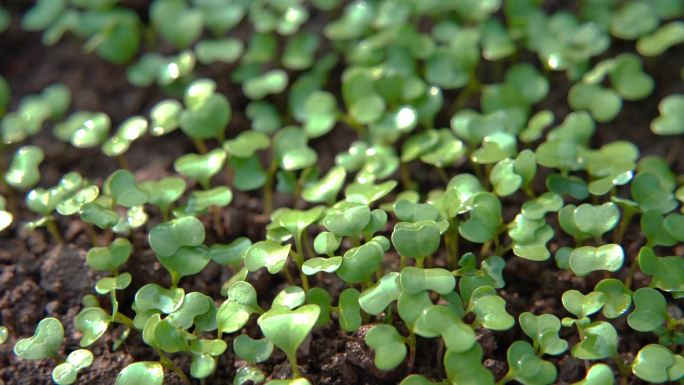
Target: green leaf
point(167, 237)
point(596, 220)
point(485, 218)
point(315, 265)
point(200, 201)
point(599, 341)
point(111, 257)
point(151, 373)
point(662, 39)
point(598, 374)
point(208, 119)
point(587, 259)
point(201, 167)
point(466, 368)
point(414, 280)
point(671, 119)
point(543, 330)
point(153, 296)
point(388, 344)
point(109, 284)
point(657, 364)
point(441, 321)
point(347, 220)
point(604, 104)
point(650, 310)
point(271, 82)
point(194, 304)
point(23, 172)
point(349, 310)
point(66, 372)
point(226, 50)
point(44, 343)
point(251, 350)
point(490, 310)
point(368, 193)
point(327, 188)
point(667, 272)
point(633, 20)
point(286, 328)
point(526, 367)
point(618, 298)
point(231, 254)
point(93, 323)
point(376, 299)
point(269, 254)
point(416, 240)
point(359, 263)
point(176, 22)
point(583, 305)
point(246, 144)
point(290, 297)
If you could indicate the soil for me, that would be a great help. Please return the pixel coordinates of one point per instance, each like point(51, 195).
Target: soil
point(39, 277)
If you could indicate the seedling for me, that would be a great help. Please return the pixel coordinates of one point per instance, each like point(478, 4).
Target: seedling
point(287, 329)
point(66, 372)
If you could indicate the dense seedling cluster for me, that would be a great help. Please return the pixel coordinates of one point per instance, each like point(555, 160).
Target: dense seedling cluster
point(371, 245)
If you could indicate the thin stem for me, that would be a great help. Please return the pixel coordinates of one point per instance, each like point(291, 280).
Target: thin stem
point(622, 368)
point(93, 234)
point(624, 223)
point(442, 175)
point(167, 363)
point(268, 188)
point(53, 230)
point(631, 272)
point(405, 176)
point(217, 220)
point(412, 350)
point(200, 145)
point(123, 163)
point(293, 363)
point(123, 319)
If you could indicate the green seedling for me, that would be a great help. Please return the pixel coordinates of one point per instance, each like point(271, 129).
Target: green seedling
point(598, 374)
point(526, 367)
point(657, 364)
point(271, 82)
point(666, 271)
point(650, 310)
point(32, 112)
point(416, 240)
point(508, 175)
point(618, 298)
point(587, 220)
point(234, 313)
point(45, 342)
point(23, 172)
point(360, 263)
point(441, 321)
point(587, 259)
point(651, 194)
point(207, 113)
point(662, 39)
point(83, 129)
point(349, 311)
point(543, 330)
point(176, 22)
point(269, 254)
point(466, 367)
point(598, 341)
point(141, 372)
point(327, 188)
point(471, 278)
point(388, 344)
point(210, 51)
point(204, 356)
point(485, 219)
point(670, 121)
point(129, 131)
point(376, 299)
point(414, 280)
point(582, 305)
point(287, 329)
point(201, 167)
point(489, 309)
point(165, 117)
point(66, 372)
point(231, 254)
point(251, 350)
point(164, 192)
point(121, 186)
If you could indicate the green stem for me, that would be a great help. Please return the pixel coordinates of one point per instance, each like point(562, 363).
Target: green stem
point(53, 230)
point(123, 319)
point(508, 377)
point(123, 163)
point(268, 188)
point(292, 358)
point(200, 145)
point(622, 369)
point(405, 176)
point(167, 363)
point(93, 234)
point(442, 175)
point(411, 340)
point(624, 223)
point(631, 272)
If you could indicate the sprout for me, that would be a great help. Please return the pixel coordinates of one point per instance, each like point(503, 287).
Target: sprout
point(141, 372)
point(66, 372)
point(23, 172)
point(45, 342)
point(287, 329)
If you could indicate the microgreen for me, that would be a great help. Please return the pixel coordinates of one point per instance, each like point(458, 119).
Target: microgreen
point(287, 329)
point(66, 372)
point(45, 342)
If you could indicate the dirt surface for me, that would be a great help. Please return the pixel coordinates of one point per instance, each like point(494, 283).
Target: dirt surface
point(40, 278)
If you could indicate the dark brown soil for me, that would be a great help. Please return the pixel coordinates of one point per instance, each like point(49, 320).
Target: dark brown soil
point(40, 278)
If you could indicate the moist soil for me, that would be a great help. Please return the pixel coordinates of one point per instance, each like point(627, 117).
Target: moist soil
point(40, 277)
